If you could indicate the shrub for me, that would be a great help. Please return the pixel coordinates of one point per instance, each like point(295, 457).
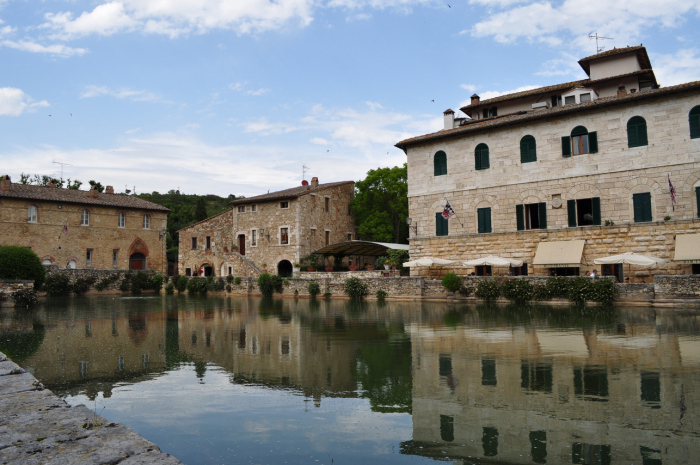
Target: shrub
point(269, 284)
point(169, 289)
point(21, 263)
point(540, 292)
point(517, 290)
point(197, 286)
point(81, 286)
point(228, 288)
point(381, 294)
point(583, 289)
point(229, 279)
point(237, 281)
point(25, 298)
point(487, 289)
point(139, 282)
point(104, 283)
point(466, 290)
point(181, 284)
point(355, 288)
point(327, 295)
point(220, 284)
point(603, 290)
point(314, 289)
point(380, 261)
point(451, 282)
point(285, 282)
point(580, 289)
point(58, 285)
point(157, 282)
point(558, 286)
point(125, 284)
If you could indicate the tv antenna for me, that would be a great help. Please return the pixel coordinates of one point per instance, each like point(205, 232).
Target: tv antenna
point(595, 36)
point(62, 165)
point(304, 169)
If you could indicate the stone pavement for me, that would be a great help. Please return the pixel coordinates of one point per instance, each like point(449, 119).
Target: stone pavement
point(37, 427)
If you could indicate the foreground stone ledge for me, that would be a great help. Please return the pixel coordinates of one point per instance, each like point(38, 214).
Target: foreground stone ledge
point(37, 427)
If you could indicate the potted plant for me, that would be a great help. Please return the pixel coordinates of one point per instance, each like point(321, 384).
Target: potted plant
point(310, 268)
point(297, 267)
point(353, 267)
point(329, 269)
point(382, 262)
point(369, 267)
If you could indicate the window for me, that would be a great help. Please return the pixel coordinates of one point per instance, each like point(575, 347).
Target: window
point(481, 157)
point(580, 142)
point(483, 216)
point(569, 99)
point(207, 242)
point(241, 209)
point(230, 270)
point(585, 97)
point(488, 372)
point(538, 446)
point(328, 238)
point(637, 132)
point(194, 243)
point(88, 257)
point(121, 222)
point(483, 270)
point(440, 163)
point(146, 221)
point(349, 236)
point(253, 208)
point(697, 199)
point(642, 207)
point(85, 218)
point(489, 112)
point(651, 389)
point(447, 428)
point(591, 383)
point(694, 120)
point(284, 204)
point(254, 237)
point(531, 216)
point(115, 257)
point(327, 205)
point(536, 376)
point(31, 214)
point(441, 225)
point(528, 149)
point(188, 271)
point(284, 236)
point(489, 441)
point(584, 212)
point(582, 453)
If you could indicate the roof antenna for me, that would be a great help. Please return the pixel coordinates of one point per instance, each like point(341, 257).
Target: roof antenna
point(595, 36)
point(304, 169)
point(62, 165)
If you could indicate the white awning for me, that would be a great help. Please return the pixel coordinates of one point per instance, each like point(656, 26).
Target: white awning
point(559, 254)
point(687, 248)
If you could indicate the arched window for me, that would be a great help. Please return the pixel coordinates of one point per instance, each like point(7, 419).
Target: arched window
point(440, 163)
point(580, 142)
point(528, 149)
point(85, 218)
point(637, 132)
point(122, 220)
point(481, 157)
point(32, 214)
point(694, 120)
point(146, 221)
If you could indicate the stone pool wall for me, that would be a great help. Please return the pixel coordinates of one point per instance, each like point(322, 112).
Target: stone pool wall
point(95, 274)
point(9, 287)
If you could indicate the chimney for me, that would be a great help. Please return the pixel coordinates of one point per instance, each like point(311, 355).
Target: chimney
point(109, 190)
point(5, 183)
point(94, 193)
point(314, 182)
point(52, 184)
point(475, 99)
point(621, 92)
point(449, 117)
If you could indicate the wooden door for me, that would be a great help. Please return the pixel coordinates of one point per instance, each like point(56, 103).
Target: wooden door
point(241, 244)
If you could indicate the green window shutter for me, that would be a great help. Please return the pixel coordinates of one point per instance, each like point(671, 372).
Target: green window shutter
point(593, 142)
point(595, 201)
point(528, 149)
point(632, 139)
point(477, 159)
point(440, 163)
point(566, 146)
point(642, 133)
point(481, 157)
point(642, 207)
point(647, 207)
point(480, 220)
point(484, 220)
point(542, 207)
point(637, 132)
point(637, 206)
point(571, 207)
point(485, 159)
point(520, 217)
point(532, 149)
point(694, 120)
point(441, 228)
point(487, 216)
point(523, 150)
point(697, 199)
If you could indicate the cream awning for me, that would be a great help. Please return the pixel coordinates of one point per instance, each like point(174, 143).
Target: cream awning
point(559, 254)
point(687, 248)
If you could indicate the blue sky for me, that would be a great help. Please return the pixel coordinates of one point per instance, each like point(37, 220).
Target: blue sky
point(235, 96)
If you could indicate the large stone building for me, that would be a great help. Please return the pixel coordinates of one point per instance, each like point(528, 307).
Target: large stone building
point(269, 232)
point(84, 229)
point(561, 175)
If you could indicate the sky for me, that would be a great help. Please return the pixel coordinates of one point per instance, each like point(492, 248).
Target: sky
point(237, 96)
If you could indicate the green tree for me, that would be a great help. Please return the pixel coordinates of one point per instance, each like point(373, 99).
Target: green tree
point(200, 212)
point(381, 205)
point(21, 263)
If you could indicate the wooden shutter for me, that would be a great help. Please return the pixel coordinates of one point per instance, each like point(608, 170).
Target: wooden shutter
point(694, 120)
point(528, 149)
point(632, 139)
point(441, 226)
point(593, 142)
point(542, 207)
point(637, 132)
point(440, 163)
point(487, 217)
point(477, 159)
point(697, 199)
point(566, 146)
point(520, 217)
point(485, 158)
point(484, 220)
point(595, 201)
point(642, 207)
point(571, 207)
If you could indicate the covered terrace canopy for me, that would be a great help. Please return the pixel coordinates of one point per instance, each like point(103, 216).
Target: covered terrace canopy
point(360, 248)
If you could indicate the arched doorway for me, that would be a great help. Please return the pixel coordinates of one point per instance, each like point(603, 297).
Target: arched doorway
point(137, 261)
point(284, 269)
point(208, 269)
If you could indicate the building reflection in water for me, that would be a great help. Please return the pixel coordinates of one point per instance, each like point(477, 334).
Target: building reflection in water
point(484, 383)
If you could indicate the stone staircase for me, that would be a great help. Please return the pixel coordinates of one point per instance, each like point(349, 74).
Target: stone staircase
point(245, 263)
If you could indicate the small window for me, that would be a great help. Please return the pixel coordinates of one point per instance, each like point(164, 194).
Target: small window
point(349, 236)
point(493, 111)
point(584, 212)
point(71, 264)
point(528, 149)
point(88, 257)
point(32, 214)
point(328, 238)
point(121, 222)
point(441, 225)
point(488, 373)
point(531, 216)
point(327, 205)
point(85, 218)
point(440, 164)
point(485, 113)
point(484, 219)
point(694, 120)
point(194, 243)
point(207, 242)
point(569, 99)
point(637, 132)
point(241, 209)
point(642, 207)
point(188, 271)
point(284, 236)
point(115, 257)
point(254, 237)
point(585, 97)
point(284, 204)
point(146, 221)
point(253, 208)
point(579, 142)
point(481, 157)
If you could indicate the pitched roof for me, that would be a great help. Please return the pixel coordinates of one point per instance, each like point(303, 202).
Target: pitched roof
point(53, 194)
point(641, 54)
point(206, 219)
point(525, 116)
point(292, 193)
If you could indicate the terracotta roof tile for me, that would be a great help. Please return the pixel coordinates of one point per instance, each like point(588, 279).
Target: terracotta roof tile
point(53, 194)
point(291, 193)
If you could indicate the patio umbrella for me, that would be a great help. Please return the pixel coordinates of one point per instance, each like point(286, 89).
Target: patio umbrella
point(631, 258)
point(429, 262)
point(493, 260)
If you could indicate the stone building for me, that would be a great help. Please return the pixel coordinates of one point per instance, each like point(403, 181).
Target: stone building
point(269, 232)
point(84, 229)
point(561, 175)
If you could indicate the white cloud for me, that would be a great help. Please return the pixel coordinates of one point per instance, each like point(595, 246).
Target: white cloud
point(33, 47)
point(237, 86)
point(682, 66)
point(566, 65)
point(468, 87)
point(124, 93)
point(319, 141)
point(265, 128)
point(14, 102)
point(106, 19)
point(258, 92)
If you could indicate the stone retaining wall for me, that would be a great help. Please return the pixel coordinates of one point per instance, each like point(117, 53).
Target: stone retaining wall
point(677, 287)
point(95, 274)
point(9, 287)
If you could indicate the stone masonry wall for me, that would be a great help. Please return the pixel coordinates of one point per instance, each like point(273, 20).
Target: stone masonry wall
point(9, 287)
point(95, 275)
point(219, 229)
point(677, 287)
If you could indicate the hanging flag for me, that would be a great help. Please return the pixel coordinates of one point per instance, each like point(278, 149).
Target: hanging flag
point(671, 190)
point(448, 212)
point(65, 228)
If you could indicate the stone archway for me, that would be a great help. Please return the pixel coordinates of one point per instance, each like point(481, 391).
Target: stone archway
point(285, 269)
point(138, 253)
